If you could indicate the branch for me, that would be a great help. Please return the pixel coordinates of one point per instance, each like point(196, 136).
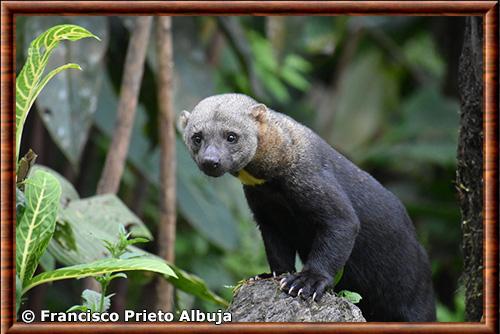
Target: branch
point(129, 92)
point(166, 229)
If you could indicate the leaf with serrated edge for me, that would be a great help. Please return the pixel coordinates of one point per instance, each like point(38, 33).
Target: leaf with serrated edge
point(29, 82)
point(35, 229)
point(101, 267)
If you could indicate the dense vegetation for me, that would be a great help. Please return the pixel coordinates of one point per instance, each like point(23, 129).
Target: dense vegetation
point(381, 90)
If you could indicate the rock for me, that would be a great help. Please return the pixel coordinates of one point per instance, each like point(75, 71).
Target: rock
point(263, 301)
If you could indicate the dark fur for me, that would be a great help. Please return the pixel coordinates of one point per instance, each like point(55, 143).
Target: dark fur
point(316, 203)
point(341, 216)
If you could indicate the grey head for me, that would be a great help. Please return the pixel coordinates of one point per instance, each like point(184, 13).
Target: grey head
point(222, 131)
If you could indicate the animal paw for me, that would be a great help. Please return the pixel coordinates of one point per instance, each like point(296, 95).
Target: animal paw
point(305, 284)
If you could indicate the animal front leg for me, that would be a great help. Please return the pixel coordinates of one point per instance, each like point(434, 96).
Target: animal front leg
point(331, 248)
point(279, 251)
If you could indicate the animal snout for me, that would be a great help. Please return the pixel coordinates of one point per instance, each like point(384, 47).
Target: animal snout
point(211, 162)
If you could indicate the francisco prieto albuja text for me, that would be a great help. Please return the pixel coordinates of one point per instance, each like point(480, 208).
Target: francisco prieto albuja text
point(217, 318)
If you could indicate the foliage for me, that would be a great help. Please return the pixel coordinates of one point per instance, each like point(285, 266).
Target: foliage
point(353, 297)
point(39, 206)
point(37, 223)
point(82, 223)
point(454, 313)
point(371, 86)
point(99, 267)
point(93, 301)
point(98, 301)
point(30, 80)
point(67, 105)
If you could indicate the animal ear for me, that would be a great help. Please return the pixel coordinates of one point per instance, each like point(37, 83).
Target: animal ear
point(258, 111)
point(183, 119)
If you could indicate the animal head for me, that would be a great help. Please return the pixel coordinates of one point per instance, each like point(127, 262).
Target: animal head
point(222, 132)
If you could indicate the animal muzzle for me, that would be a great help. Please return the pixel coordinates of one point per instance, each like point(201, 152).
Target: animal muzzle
point(210, 162)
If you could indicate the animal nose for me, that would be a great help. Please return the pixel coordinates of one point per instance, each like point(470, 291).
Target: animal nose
point(211, 162)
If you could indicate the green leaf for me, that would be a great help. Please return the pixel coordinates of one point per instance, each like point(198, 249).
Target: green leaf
point(69, 192)
point(19, 289)
point(100, 267)
point(80, 308)
point(64, 236)
point(35, 229)
point(68, 101)
point(137, 241)
point(422, 53)
point(294, 78)
point(90, 221)
point(338, 276)
point(298, 63)
point(30, 82)
point(119, 275)
point(262, 51)
point(107, 212)
point(357, 120)
point(92, 300)
point(51, 74)
point(273, 84)
point(88, 238)
point(20, 204)
point(194, 285)
point(47, 261)
point(353, 297)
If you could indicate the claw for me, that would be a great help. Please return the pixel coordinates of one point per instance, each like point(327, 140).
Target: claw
point(291, 289)
point(282, 280)
point(282, 285)
point(274, 274)
point(299, 293)
point(314, 296)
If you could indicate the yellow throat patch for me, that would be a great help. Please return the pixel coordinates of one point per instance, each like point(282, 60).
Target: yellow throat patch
point(248, 179)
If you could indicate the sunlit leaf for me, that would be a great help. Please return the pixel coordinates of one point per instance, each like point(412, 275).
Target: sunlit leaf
point(67, 103)
point(100, 267)
point(30, 82)
point(37, 224)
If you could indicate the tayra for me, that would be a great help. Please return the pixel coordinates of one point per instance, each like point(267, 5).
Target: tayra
point(309, 199)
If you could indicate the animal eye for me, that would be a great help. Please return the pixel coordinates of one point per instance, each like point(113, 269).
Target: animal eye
point(196, 138)
point(232, 137)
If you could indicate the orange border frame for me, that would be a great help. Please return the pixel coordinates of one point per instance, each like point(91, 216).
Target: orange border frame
point(487, 9)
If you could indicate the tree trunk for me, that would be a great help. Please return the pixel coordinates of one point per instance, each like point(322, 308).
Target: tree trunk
point(470, 165)
point(109, 181)
point(166, 229)
point(129, 92)
point(263, 301)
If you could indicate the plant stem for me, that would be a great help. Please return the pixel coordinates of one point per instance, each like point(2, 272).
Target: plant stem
point(104, 287)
